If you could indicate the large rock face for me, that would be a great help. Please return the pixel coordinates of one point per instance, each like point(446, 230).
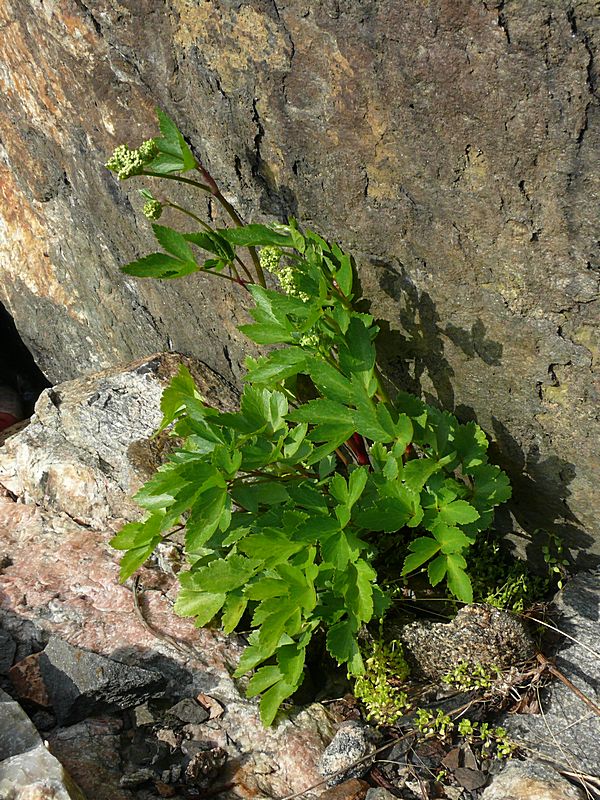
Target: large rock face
point(451, 144)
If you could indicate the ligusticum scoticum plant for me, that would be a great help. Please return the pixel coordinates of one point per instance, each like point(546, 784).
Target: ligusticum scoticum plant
point(283, 502)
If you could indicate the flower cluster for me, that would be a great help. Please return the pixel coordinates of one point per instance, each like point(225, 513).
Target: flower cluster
point(126, 162)
point(270, 260)
point(152, 209)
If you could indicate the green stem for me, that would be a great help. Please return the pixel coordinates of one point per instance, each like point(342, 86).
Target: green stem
point(197, 184)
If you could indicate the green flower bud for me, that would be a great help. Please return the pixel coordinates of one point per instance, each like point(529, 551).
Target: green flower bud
point(270, 258)
point(152, 209)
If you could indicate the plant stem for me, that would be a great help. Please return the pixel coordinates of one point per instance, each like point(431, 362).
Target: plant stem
point(189, 181)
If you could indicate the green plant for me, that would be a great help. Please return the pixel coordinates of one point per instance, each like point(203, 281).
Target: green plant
point(283, 502)
point(466, 676)
point(378, 688)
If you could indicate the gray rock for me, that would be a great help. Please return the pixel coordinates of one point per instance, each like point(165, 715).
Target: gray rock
point(530, 780)
point(478, 634)
point(88, 446)
point(352, 742)
point(81, 683)
point(8, 648)
point(379, 793)
point(187, 711)
point(568, 730)
point(27, 770)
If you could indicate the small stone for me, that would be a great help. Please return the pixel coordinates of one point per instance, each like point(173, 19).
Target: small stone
point(143, 716)
point(470, 779)
point(353, 789)
point(137, 778)
point(187, 711)
point(81, 683)
point(379, 793)
point(452, 760)
point(352, 742)
point(169, 737)
point(26, 677)
point(531, 780)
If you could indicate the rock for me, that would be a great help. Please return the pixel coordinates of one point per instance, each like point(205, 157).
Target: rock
point(27, 770)
point(89, 446)
point(379, 793)
point(353, 789)
point(575, 728)
point(530, 780)
point(63, 581)
point(351, 743)
point(81, 683)
point(431, 153)
point(8, 648)
point(91, 751)
point(27, 680)
point(478, 634)
point(187, 711)
point(11, 408)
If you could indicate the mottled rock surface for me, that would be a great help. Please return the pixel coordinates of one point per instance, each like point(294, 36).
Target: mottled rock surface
point(27, 770)
point(478, 634)
point(352, 742)
point(569, 731)
point(63, 580)
point(453, 146)
point(88, 447)
point(531, 780)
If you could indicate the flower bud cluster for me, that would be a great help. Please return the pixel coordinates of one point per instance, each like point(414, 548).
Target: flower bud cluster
point(152, 209)
point(126, 162)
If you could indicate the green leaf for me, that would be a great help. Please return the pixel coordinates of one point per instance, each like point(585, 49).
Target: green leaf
point(459, 582)
point(135, 558)
point(356, 484)
point(160, 265)
point(342, 645)
point(256, 235)
point(272, 546)
point(458, 512)
point(284, 618)
point(437, 569)
point(172, 144)
point(222, 574)
point(262, 679)
point(266, 493)
point(197, 603)
point(340, 548)
point(271, 701)
point(451, 539)
point(417, 472)
point(233, 610)
point(278, 366)
point(213, 243)
point(204, 519)
point(173, 242)
point(471, 444)
point(422, 549)
point(181, 388)
point(387, 514)
point(492, 486)
point(330, 381)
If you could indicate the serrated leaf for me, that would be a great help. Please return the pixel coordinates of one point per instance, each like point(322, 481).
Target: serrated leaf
point(272, 546)
point(161, 266)
point(196, 603)
point(262, 679)
point(342, 645)
point(417, 472)
point(271, 701)
point(255, 235)
point(459, 582)
point(222, 574)
point(204, 518)
point(422, 549)
point(135, 558)
point(173, 242)
point(451, 539)
point(233, 610)
point(437, 569)
point(172, 142)
point(339, 548)
point(330, 381)
point(458, 512)
point(279, 365)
